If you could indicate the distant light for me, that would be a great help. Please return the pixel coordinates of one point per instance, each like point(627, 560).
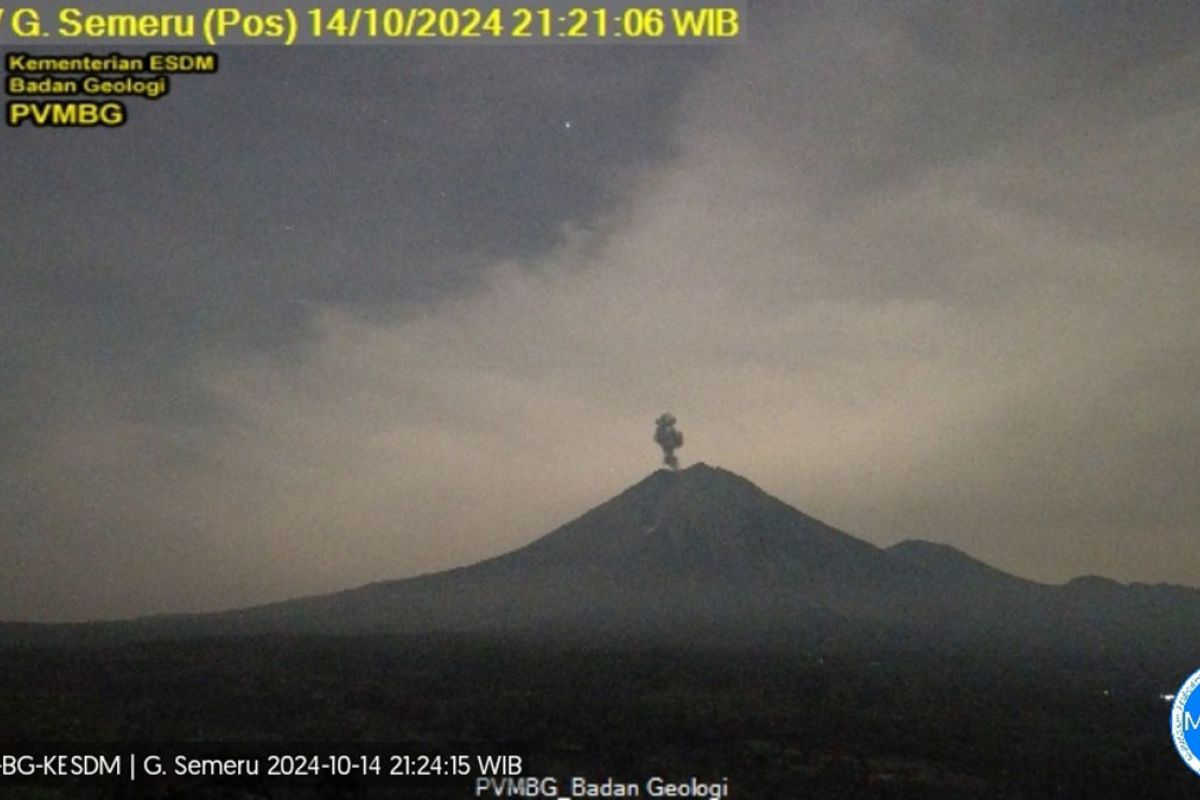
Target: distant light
point(1170, 698)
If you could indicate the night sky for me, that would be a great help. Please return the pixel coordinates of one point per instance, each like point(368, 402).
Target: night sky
point(342, 314)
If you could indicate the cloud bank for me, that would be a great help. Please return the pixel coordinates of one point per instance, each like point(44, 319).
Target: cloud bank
point(922, 273)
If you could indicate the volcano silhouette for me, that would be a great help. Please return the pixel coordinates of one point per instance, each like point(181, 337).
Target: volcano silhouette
point(701, 547)
point(705, 553)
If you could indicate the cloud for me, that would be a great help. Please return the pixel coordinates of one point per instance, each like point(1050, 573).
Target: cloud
point(918, 290)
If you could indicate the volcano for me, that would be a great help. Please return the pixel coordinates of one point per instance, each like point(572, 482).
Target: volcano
point(700, 548)
point(704, 553)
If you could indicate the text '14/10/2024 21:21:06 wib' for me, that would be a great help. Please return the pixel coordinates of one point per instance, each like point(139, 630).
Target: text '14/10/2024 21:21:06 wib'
point(451, 24)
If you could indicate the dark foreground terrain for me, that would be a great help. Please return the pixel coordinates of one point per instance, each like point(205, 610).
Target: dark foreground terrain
point(834, 719)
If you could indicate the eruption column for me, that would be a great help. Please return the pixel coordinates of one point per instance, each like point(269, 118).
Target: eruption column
point(669, 439)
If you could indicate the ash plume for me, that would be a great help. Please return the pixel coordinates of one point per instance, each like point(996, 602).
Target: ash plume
point(669, 439)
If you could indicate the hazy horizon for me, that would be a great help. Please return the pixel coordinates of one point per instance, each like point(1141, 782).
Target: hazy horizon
point(338, 315)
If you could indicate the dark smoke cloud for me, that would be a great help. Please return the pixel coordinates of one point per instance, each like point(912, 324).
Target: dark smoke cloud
point(668, 438)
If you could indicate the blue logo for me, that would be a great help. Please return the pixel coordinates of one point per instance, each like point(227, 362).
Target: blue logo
point(1185, 722)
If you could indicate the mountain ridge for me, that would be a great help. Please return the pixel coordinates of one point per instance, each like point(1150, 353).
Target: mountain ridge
point(704, 552)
